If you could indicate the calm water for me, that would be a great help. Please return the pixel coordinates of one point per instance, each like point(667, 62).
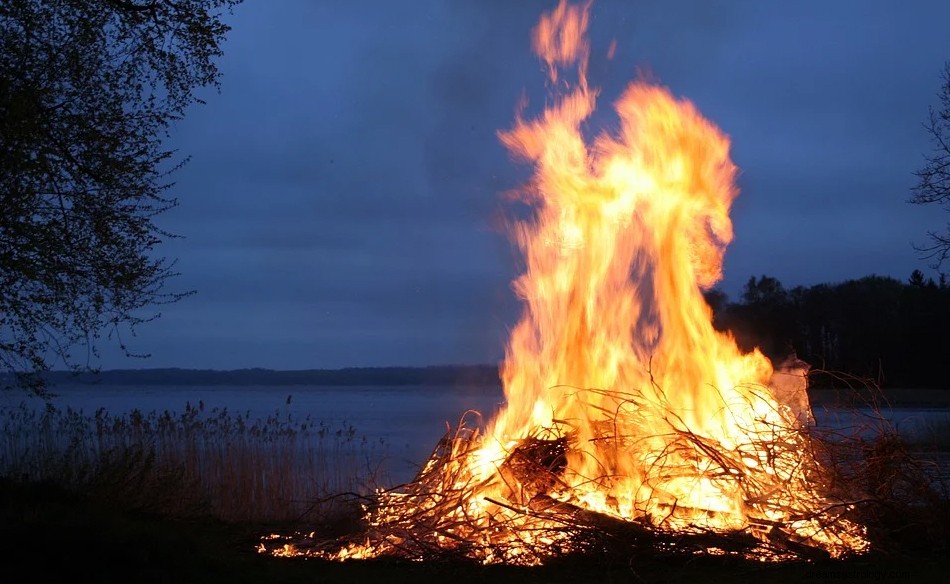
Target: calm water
point(408, 420)
point(913, 423)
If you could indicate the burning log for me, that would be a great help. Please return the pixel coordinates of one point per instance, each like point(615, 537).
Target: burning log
point(604, 532)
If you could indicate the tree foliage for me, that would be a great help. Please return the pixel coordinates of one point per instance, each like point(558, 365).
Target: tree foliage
point(875, 327)
point(88, 92)
point(933, 178)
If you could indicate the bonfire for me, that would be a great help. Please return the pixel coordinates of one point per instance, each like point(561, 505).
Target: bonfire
point(629, 420)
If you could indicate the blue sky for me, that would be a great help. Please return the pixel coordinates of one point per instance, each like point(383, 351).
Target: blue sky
point(341, 204)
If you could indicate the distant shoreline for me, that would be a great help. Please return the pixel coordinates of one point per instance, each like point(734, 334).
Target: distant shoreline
point(462, 375)
point(440, 375)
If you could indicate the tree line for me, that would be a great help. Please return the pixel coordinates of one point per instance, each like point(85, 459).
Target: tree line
point(888, 331)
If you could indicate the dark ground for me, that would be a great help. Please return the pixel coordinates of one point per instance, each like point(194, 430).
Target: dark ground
point(49, 535)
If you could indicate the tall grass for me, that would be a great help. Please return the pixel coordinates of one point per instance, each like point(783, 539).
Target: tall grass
point(195, 463)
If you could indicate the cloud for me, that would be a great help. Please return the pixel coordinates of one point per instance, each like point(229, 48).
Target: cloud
point(341, 205)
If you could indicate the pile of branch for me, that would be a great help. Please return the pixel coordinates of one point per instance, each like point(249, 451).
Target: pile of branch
point(443, 513)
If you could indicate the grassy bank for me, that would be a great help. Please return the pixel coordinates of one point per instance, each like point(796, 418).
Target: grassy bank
point(52, 534)
point(154, 497)
point(194, 463)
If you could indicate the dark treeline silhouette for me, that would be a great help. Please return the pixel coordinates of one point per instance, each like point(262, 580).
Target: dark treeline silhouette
point(893, 333)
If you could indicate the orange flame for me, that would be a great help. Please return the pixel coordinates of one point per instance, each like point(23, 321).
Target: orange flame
point(616, 349)
point(663, 420)
point(627, 234)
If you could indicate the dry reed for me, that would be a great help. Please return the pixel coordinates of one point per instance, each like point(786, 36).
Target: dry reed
point(216, 463)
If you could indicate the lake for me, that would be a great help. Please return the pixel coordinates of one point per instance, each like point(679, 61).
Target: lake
point(407, 420)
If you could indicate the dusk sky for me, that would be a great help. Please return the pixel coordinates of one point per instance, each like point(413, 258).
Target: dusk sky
point(341, 203)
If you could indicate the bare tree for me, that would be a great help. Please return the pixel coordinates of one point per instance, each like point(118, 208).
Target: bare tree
point(933, 184)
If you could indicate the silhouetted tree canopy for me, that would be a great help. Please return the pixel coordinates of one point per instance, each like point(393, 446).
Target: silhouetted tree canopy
point(88, 91)
point(891, 332)
point(763, 319)
point(933, 185)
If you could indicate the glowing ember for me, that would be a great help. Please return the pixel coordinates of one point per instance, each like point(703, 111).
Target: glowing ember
point(627, 412)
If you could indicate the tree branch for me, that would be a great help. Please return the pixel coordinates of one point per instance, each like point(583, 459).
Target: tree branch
point(131, 6)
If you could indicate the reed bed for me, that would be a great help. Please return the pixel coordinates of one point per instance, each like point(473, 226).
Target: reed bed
point(198, 462)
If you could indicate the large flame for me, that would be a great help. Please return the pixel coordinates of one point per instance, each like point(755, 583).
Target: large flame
point(622, 400)
point(627, 233)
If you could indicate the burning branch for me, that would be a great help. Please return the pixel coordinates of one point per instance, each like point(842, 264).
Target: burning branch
point(535, 515)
